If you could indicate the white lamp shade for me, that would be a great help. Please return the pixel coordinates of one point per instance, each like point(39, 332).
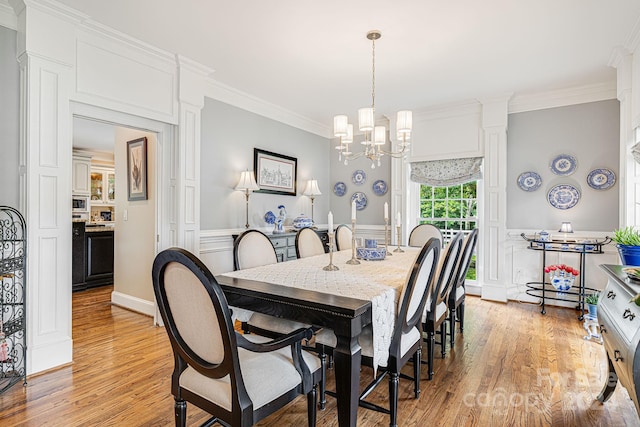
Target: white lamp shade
point(247, 181)
point(566, 228)
point(366, 121)
point(404, 122)
point(379, 135)
point(340, 125)
point(312, 188)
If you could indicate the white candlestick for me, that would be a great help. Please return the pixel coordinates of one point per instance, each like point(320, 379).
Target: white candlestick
point(398, 221)
point(330, 222)
point(386, 210)
point(353, 210)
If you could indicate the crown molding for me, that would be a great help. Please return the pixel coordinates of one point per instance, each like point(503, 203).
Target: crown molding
point(454, 109)
point(229, 95)
point(8, 17)
point(563, 97)
point(56, 9)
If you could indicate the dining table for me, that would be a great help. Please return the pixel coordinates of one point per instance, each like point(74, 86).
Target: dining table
point(345, 300)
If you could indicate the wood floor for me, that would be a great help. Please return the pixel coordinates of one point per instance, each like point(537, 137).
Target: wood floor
point(512, 367)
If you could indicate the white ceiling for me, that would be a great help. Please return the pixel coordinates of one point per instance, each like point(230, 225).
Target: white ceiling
point(312, 58)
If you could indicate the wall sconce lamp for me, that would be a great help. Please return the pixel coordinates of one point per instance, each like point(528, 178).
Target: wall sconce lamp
point(566, 228)
point(312, 191)
point(247, 184)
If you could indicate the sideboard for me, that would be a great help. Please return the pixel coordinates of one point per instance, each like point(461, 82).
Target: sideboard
point(285, 243)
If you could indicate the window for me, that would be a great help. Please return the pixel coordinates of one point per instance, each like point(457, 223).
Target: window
point(452, 209)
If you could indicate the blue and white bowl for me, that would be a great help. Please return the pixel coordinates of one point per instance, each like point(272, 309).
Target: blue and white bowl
point(371, 254)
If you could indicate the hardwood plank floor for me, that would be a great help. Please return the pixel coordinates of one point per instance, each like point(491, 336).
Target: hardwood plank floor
point(512, 367)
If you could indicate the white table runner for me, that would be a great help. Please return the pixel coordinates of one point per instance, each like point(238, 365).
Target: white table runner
point(377, 281)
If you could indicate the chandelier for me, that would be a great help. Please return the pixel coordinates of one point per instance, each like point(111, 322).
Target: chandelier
point(375, 137)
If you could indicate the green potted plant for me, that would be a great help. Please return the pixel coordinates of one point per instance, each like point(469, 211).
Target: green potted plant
point(628, 243)
point(592, 303)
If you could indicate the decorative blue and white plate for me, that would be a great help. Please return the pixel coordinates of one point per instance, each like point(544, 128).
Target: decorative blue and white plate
point(563, 196)
point(563, 165)
point(529, 181)
point(371, 254)
point(380, 187)
point(340, 188)
point(359, 177)
point(361, 200)
point(601, 179)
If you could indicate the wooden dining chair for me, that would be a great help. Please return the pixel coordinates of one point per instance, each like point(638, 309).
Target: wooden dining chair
point(435, 313)
point(253, 249)
point(343, 237)
point(237, 381)
point(406, 339)
point(455, 302)
point(308, 243)
point(421, 233)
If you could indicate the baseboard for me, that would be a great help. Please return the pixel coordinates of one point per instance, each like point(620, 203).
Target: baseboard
point(494, 292)
point(43, 357)
point(133, 303)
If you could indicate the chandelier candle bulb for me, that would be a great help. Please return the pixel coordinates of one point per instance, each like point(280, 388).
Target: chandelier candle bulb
point(366, 119)
point(404, 123)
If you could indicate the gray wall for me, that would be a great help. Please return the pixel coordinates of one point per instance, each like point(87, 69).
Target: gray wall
point(229, 135)
point(589, 132)
point(373, 214)
point(9, 118)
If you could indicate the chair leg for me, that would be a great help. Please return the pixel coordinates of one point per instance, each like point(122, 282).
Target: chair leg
point(417, 361)
point(393, 398)
point(311, 406)
point(443, 338)
point(461, 315)
point(180, 412)
point(452, 326)
point(430, 345)
point(323, 378)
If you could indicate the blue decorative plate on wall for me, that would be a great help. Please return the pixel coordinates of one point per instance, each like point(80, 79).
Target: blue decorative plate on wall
point(340, 188)
point(359, 177)
point(380, 187)
point(361, 200)
point(529, 181)
point(563, 165)
point(563, 196)
point(601, 179)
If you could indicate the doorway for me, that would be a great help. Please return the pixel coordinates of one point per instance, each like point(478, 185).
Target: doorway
point(138, 225)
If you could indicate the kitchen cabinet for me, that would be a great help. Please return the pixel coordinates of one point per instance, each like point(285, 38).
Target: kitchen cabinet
point(103, 186)
point(99, 257)
point(78, 260)
point(81, 185)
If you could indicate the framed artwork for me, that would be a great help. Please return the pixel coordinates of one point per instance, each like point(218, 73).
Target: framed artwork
point(137, 169)
point(275, 173)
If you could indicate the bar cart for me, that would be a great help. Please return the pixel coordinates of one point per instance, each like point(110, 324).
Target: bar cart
point(544, 289)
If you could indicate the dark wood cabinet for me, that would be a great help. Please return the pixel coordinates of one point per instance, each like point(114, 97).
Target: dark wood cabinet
point(99, 247)
point(78, 259)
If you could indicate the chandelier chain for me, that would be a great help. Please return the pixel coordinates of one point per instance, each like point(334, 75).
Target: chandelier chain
point(373, 73)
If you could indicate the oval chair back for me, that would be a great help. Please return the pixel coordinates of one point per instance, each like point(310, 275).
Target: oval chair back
point(436, 310)
point(343, 237)
point(422, 233)
point(308, 243)
point(458, 291)
point(253, 249)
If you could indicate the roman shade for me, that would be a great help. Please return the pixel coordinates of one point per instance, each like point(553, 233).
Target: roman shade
point(443, 173)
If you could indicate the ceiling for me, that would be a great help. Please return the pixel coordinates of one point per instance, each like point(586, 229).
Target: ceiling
point(313, 58)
